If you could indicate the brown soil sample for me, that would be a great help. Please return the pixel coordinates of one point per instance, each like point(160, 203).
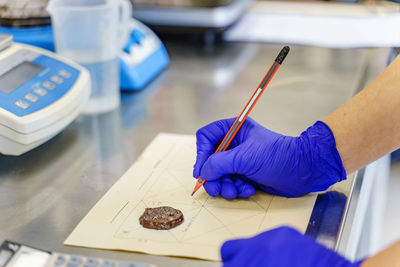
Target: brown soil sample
point(161, 218)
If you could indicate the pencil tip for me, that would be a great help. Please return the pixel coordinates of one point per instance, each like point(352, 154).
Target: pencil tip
point(192, 193)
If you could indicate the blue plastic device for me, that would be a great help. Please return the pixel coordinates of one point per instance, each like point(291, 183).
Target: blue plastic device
point(41, 36)
point(51, 80)
point(143, 58)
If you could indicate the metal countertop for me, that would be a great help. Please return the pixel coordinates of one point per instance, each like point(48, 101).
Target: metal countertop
point(46, 192)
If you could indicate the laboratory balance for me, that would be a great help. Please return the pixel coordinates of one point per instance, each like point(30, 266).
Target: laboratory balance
point(40, 94)
point(13, 254)
point(190, 15)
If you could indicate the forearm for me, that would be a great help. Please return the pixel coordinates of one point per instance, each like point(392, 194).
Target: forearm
point(368, 126)
point(387, 257)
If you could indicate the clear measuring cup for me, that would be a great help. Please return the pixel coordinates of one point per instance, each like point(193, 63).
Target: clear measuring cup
point(93, 33)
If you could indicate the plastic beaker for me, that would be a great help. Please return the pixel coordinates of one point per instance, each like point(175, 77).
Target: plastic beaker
point(93, 33)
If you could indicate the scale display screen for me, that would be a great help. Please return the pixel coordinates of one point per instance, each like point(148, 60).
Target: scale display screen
point(32, 258)
point(16, 255)
point(18, 75)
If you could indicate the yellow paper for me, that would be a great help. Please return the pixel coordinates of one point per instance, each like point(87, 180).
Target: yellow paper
point(162, 176)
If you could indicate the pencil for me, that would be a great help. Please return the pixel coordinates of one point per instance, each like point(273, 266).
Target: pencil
point(247, 109)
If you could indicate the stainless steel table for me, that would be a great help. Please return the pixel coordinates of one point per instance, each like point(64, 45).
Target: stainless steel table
point(46, 192)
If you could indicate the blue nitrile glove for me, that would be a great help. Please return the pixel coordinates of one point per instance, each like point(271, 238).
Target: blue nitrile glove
point(281, 247)
point(259, 158)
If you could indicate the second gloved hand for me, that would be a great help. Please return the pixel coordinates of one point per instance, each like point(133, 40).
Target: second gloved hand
point(281, 247)
point(258, 157)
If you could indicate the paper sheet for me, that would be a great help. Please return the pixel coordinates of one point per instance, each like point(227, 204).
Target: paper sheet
point(162, 175)
point(313, 24)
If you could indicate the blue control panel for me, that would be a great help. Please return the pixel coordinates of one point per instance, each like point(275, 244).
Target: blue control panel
point(136, 74)
point(51, 82)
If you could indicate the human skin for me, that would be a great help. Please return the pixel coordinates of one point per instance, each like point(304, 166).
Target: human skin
point(368, 127)
point(387, 257)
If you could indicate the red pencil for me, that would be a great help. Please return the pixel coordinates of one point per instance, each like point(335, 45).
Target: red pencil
point(246, 110)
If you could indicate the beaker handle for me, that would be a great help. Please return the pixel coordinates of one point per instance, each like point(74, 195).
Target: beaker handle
point(126, 14)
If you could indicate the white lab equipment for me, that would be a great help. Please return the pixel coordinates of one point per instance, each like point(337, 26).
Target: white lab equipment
point(190, 15)
point(93, 34)
point(40, 94)
point(13, 254)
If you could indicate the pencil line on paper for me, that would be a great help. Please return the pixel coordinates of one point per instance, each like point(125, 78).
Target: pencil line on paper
point(265, 214)
point(116, 215)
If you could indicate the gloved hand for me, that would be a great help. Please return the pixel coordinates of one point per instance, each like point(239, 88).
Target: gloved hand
point(259, 158)
point(281, 247)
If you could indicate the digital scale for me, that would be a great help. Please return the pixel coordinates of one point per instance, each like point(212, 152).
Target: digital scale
point(16, 255)
point(40, 94)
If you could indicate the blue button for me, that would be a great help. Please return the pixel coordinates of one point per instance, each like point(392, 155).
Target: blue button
point(91, 262)
point(59, 261)
point(22, 104)
point(135, 38)
point(57, 79)
point(48, 85)
point(74, 261)
point(64, 73)
point(31, 97)
point(40, 91)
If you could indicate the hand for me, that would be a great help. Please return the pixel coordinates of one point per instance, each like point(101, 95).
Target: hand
point(281, 247)
point(259, 158)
